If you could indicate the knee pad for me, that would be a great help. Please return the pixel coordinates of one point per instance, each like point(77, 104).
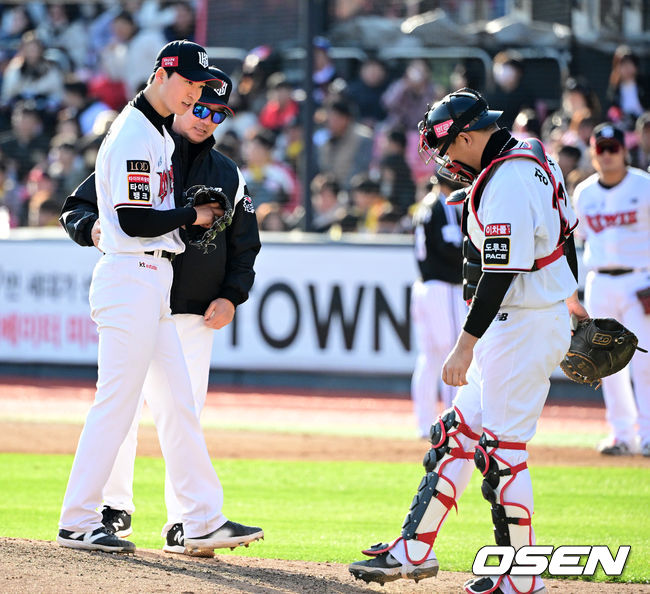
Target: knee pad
point(447, 426)
point(494, 469)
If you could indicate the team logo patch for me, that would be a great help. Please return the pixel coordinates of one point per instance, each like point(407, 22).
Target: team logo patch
point(170, 62)
point(248, 204)
point(496, 251)
point(137, 166)
point(601, 339)
point(138, 187)
point(221, 91)
point(497, 229)
point(203, 59)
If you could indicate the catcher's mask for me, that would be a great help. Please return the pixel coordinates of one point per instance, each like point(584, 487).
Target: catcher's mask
point(461, 111)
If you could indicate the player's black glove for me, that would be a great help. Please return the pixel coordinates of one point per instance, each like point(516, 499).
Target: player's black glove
point(599, 347)
point(197, 195)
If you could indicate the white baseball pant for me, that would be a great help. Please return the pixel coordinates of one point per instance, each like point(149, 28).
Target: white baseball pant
point(608, 296)
point(196, 341)
point(129, 298)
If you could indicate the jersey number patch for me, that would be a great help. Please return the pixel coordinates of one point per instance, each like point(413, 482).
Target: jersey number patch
point(496, 251)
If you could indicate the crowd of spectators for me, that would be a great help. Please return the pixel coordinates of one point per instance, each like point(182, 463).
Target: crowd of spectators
point(67, 69)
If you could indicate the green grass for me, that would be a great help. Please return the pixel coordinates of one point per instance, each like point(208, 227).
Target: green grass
point(328, 511)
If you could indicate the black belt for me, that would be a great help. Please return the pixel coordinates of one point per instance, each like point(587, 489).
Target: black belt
point(162, 254)
point(615, 271)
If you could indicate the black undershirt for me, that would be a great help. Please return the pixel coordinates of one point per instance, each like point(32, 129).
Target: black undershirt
point(147, 222)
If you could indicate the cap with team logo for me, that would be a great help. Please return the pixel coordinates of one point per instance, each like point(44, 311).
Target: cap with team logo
point(189, 59)
point(607, 132)
point(219, 90)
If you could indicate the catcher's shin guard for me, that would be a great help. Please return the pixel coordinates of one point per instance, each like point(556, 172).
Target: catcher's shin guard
point(500, 462)
point(448, 470)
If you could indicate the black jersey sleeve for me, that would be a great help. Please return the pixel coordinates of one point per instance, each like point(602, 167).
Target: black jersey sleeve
point(80, 212)
point(490, 291)
point(147, 222)
point(243, 245)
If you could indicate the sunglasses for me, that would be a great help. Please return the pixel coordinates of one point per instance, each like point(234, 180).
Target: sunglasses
point(202, 112)
point(608, 148)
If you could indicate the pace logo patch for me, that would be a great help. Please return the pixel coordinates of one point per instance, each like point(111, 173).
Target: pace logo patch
point(496, 251)
point(139, 187)
point(497, 229)
point(137, 166)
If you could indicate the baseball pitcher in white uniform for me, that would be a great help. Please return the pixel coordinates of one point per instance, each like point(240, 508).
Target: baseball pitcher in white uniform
point(519, 222)
point(614, 210)
point(129, 298)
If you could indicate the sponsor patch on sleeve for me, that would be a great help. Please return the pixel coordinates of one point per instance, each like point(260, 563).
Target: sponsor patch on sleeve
point(138, 187)
point(137, 166)
point(497, 229)
point(496, 251)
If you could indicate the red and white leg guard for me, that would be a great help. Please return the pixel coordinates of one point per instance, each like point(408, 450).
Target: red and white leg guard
point(449, 467)
point(508, 488)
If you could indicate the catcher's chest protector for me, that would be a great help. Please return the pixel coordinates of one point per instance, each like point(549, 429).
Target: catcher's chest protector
point(528, 149)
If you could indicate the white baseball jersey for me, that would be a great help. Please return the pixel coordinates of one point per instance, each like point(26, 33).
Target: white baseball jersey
point(134, 170)
point(517, 223)
point(615, 222)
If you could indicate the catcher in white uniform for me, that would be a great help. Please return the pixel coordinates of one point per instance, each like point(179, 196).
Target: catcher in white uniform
point(517, 331)
point(614, 210)
point(129, 298)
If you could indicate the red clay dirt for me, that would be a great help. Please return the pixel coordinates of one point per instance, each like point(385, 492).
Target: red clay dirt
point(27, 408)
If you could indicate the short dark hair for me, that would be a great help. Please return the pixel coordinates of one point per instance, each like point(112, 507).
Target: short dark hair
point(569, 150)
point(398, 137)
point(363, 183)
point(325, 181)
point(265, 137)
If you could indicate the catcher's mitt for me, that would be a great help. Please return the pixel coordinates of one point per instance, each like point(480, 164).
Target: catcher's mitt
point(599, 347)
point(197, 195)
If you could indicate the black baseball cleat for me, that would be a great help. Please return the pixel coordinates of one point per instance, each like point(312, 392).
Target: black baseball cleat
point(385, 568)
point(230, 535)
point(117, 521)
point(175, 543)
point(97, 540)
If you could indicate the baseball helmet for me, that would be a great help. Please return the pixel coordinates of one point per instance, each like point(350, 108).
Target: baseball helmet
point(464, 110)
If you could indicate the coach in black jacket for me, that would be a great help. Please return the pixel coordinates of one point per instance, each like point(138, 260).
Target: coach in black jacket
point(206, 288)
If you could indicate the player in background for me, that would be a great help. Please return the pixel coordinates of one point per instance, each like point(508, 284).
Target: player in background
point(614, 210)
point(205, 290)
point(129, 298)
point(437, 306)
point(516, 332)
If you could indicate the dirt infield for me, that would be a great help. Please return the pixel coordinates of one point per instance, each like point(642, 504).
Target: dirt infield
point(36, 566)
point(45, 417)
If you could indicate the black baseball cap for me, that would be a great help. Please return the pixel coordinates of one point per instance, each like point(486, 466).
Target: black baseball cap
point(218, 93)
point(607, 132)
point(189, 59)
